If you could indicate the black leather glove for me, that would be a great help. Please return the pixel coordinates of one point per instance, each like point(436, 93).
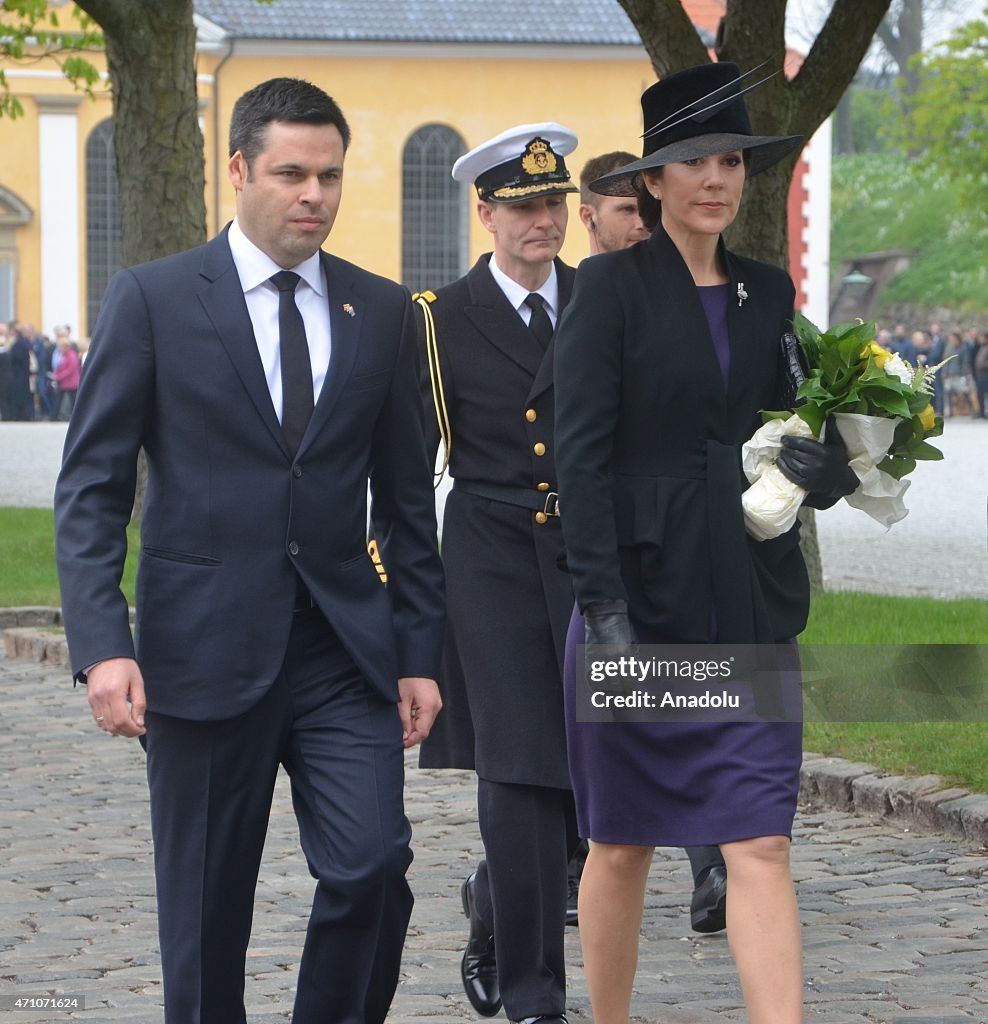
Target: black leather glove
point(819, 467)
point(607, 623)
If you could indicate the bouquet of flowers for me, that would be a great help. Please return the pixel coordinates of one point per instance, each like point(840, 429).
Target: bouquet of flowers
point(879, 404)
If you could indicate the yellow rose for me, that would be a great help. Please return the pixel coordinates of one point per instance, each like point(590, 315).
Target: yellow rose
point(927, 417)
point(874, 349)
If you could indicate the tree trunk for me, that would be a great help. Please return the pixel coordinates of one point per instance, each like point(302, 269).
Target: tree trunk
point(150, 50)
point(750, 34)
point(904, 40)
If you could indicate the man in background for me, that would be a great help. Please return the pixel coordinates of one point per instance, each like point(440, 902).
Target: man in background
point(612, 222)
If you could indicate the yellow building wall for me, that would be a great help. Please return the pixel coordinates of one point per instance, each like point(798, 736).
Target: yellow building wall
point(33, 83)
point(385, 97)
point(385, 100)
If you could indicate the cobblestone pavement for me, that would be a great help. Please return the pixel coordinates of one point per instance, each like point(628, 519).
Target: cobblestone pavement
point(895, 923)
point(940, 549)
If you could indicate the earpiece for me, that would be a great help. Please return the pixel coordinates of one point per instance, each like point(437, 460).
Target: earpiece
point(593, 224)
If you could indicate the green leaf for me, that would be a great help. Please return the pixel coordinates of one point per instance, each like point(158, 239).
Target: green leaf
point(813, 416)
point(924, 452)
point(897, 466)
point(889, 401)
point(768, 415)
point(809, 338)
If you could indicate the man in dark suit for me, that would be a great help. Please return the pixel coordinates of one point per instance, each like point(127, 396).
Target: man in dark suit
point(488, 339)
point(266, 380)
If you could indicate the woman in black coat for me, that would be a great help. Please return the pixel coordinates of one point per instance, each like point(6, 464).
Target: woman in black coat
point(664, 357)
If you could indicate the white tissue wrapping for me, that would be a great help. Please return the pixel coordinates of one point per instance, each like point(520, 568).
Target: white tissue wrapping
point(772, 502)
point(868, 440)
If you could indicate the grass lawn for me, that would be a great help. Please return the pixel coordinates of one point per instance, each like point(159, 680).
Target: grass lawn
point(27, 558)
point(956, 750)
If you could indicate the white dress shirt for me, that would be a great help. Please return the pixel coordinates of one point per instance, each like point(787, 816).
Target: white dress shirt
point(516, 293)
point(255, 269)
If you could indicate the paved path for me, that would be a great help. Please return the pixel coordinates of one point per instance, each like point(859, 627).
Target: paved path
point(896, 923)
point(940, 549)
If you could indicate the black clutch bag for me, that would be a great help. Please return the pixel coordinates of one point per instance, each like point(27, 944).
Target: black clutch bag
point(793, 370)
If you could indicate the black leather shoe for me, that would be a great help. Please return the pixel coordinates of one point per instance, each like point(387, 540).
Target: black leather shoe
point(478, 968)
point(550, 1018)
point(708, 908)
point(572, 899)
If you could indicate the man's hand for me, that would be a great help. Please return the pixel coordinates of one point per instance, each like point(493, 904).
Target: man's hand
point(419, 705)
point(115, 688)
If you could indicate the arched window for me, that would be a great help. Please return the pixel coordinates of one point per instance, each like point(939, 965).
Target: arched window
point(434, 209)
point(14, 213)
point(104, 252)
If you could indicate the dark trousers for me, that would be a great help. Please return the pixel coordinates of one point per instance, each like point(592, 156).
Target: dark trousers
point(211, 787)
point(702, 859)
point(529, 834)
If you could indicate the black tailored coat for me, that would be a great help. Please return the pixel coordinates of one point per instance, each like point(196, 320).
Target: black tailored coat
point(508, 600)
point(232, 517)
point(648, 447)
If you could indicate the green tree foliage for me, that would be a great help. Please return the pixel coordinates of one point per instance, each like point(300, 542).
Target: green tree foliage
point(885, 201)
point(868, 106)
point(945, 121)
point(31, 32)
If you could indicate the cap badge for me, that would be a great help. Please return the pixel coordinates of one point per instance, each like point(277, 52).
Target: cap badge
point(539, 158)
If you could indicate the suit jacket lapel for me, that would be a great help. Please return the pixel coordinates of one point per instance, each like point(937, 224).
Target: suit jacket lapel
point(224, 303)
point(344, 337)
point(676, 291)
point(496, 321)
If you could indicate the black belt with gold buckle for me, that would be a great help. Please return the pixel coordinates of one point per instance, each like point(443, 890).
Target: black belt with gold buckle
point(538, 501)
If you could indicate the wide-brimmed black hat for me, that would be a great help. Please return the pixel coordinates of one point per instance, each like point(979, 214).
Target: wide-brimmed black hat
point(693, 113)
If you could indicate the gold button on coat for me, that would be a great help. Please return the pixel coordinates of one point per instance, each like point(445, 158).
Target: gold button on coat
point(541, 517)
point(539, 448)
point(531, 415)
point(542, 486)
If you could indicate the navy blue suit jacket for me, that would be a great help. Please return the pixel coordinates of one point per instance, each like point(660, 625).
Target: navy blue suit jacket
point(230, 515)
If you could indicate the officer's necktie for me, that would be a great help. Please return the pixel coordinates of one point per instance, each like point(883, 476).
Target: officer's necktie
point(296, 369)
point(540, 324)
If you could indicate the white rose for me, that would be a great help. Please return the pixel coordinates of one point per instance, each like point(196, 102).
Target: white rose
point(896, 366)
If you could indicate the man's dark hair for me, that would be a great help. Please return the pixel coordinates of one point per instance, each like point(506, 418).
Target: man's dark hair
point(288, 100)
point(596, 167)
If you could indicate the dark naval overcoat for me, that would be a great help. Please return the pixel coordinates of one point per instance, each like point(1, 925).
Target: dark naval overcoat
point(509, 599)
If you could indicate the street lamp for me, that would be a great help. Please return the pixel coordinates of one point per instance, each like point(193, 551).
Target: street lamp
point(856, 282)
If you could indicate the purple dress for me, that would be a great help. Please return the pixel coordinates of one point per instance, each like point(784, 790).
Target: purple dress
point(681, 783)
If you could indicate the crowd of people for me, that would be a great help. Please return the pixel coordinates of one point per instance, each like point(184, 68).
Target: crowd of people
point(39, 376)
point(961, 386)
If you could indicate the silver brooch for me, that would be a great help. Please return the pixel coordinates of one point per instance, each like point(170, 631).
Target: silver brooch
point(742, 294)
